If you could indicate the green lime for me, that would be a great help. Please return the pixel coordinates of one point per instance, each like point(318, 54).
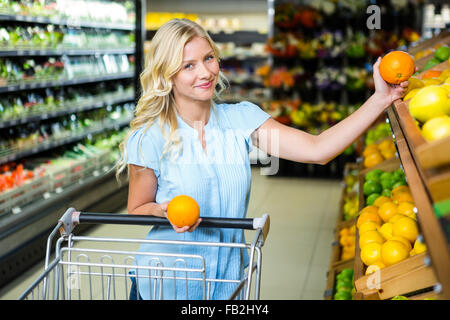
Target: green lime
point(386, 193)
point(386, 175)
point(388, 183)
point(398, 175)
point(371, 199)
point(399, 298)
point(431, 63)
point(442, 53)
point(372, 186)
point(343, 295)
point(347, 272)
point(373, 175)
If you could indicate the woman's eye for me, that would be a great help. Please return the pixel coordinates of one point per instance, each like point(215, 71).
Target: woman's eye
point(209, 58)
point(188, 66)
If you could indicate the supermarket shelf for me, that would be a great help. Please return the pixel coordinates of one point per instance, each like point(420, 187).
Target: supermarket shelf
point(60, 52)
point(53, 114)
point(68, 23)
point(410, 275)
point(429, 224)
point(57, 83)
point(60, 142)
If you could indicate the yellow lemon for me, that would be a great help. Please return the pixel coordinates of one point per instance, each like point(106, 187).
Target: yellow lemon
point(402, 240)
point(446, 87)
point(371, 253)
point(386, 230)
point(371, 148)
point(401, 188)
point(402, 197)
point(436, 128)
point(396, 217)
point(369, 208)
point(387, 211)
point(411, 94)
point(368, 226)
point(414, 83)
point(393, 251)
point(352, 230)
point(406, 208)
point(370, 236)
point(368, 216)
point(380, 200)
point(430, 102)
point(432, 81)
point(419, 247)
point(406, 228)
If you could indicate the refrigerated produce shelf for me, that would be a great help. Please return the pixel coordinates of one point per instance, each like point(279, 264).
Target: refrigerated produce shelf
point(59, 52)
point(65, 111)
point(64, 82)
point(67, 22)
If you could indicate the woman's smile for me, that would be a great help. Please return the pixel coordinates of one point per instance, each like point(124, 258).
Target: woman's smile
point(205, 85)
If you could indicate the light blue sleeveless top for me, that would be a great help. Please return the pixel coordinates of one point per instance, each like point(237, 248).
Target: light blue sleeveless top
point(219, 180)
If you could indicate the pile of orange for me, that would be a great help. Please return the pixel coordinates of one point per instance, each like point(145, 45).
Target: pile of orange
point(183, 211)
point(388, 230)
point(376, 153)
point(347, 241)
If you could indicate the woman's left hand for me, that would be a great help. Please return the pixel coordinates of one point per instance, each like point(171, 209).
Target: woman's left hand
point(384, 90)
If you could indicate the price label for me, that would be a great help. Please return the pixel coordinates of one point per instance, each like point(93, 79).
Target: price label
point(59, 190)
point(47, 195)
point(16, 210)
point(105, 168)
point(96, 173)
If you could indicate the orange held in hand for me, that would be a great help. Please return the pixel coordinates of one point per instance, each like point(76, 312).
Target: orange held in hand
point(396, 67)
point(183, 211)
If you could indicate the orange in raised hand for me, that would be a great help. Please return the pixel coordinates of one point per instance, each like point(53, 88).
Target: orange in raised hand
point(396, 67)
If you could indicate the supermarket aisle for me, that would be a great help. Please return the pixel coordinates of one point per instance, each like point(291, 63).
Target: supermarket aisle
point(296, 255)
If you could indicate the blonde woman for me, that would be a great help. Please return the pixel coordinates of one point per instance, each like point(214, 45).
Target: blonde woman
point(181, 142)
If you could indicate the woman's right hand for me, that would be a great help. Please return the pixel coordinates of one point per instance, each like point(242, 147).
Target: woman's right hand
point(164, 206)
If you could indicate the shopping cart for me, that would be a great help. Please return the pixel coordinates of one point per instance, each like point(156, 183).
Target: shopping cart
point(87, 267)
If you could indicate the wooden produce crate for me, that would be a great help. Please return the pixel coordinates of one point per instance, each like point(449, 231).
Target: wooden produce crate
point(402, 278)
point(442, 38)
point(423, 186)
point(331, 278)
point(408, 276)
point(336, 247)
point(340, 218)
point(432, 158)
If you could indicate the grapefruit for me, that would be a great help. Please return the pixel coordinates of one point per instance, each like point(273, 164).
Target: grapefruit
point(430, 102)
point(436, 128)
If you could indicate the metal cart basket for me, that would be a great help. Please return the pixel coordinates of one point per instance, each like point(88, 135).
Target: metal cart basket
point(87, 267)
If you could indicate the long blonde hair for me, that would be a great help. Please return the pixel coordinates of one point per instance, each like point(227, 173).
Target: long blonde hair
point(163, 61)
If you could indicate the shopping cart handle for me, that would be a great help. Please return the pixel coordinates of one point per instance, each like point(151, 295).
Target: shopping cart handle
point(72, 217)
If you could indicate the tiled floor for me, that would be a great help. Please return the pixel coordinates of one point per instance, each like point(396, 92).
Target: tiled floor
point(296, 255)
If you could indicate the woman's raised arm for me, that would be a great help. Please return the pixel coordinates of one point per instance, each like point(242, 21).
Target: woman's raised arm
point(292, 144)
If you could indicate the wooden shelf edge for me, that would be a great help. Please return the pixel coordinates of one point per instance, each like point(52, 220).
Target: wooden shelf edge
point(429, 225)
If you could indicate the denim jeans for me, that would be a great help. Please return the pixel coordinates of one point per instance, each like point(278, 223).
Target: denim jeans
point(134, 294)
